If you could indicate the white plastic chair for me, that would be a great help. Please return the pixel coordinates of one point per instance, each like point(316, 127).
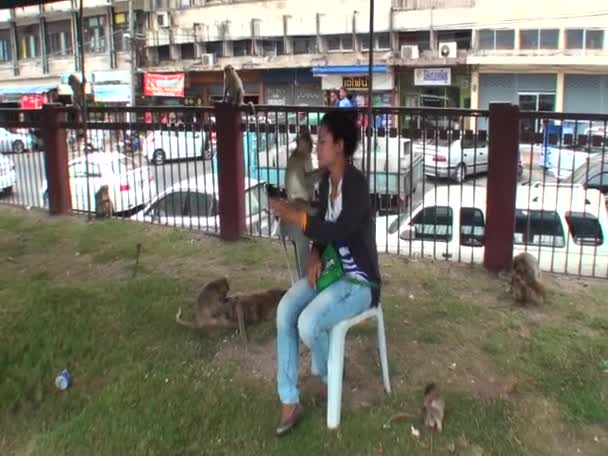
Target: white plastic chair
point(335, 361)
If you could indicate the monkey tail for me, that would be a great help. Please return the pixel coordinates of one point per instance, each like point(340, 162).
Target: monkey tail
point(178, 319)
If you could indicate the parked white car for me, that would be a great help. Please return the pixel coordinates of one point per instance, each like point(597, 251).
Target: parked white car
point(456, 159)
point(130, 186)
point(194, 203)
point(8, 175)
point(177, 144)
point(14, 142)
point(564, 227)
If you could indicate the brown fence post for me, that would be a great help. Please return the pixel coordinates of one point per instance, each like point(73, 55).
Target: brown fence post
point(56, 160)
point(503, 157)
point(231, 171)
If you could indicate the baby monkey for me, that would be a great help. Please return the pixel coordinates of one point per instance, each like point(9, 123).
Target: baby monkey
point(526, 283)
point(209, 308)
point(434, 407)
point(300, 177)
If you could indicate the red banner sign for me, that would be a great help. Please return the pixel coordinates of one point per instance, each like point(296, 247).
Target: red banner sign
point(32, 101)
point(164, 85)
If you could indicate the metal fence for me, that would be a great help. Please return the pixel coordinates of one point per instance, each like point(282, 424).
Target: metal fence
point(427, 174)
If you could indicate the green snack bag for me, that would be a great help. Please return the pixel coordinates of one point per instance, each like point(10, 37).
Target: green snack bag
point(332, 268)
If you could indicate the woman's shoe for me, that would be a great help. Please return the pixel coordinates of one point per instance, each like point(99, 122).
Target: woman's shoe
point(290, 421)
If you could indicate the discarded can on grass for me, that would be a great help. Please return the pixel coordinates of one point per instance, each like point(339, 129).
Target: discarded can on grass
point(63, 380)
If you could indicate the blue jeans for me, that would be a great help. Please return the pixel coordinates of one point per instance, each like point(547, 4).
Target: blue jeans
point(310, 315)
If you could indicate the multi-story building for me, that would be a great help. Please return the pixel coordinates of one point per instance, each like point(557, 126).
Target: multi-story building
point(541, 55)
point(39, 50)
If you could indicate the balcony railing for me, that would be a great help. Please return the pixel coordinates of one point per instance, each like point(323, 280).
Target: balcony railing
point(428, 4)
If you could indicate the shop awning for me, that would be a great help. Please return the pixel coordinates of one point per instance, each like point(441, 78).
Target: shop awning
point(348, 69)
point(27, 90)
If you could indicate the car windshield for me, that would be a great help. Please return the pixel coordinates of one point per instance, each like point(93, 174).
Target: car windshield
point(589, 168)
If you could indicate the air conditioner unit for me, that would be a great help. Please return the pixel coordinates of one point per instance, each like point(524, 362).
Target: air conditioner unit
point(163, 19)
point(448, 50)
point(208, 59)
point(409, 52)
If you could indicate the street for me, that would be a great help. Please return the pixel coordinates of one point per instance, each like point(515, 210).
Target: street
point(30, 176)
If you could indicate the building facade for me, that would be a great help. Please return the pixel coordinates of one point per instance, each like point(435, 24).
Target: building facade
point(541, 55)
point(39, 51)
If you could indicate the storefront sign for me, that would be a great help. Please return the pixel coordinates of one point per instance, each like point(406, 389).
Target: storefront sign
point(65, 89)
point(355, 82)
point(117, 76)
point(33, 101)
point(164, 85)
point(432, 76)
point(112, 93)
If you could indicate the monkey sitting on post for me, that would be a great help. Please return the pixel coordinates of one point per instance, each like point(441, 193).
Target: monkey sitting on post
point(77, 99)
point(234, 92)
point(526, 283)
point(214, 309)
point(103, 204)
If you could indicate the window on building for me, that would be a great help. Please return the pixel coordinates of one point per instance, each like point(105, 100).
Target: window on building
point(215, 47)
point(188, 51)
point(164, 53)
point(304, 45)
point(528, 39)
point(5, 46)
point(95, 34)
point(505, 39)
point(584, 39)
point(496, 39)
point(381, 41)
point(241, 48)
point(29, 42)
point(486, 39)
point(585, 228)
point(594, 39)
point(59, 38)
point(549, 38)
point(121, 32)
point(575, 39)
point(339, 42)
point(272, 47)
point(539, 39)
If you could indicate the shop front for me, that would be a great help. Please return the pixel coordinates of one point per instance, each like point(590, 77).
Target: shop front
point(586, 93)
point(297, 86)
point(355, 79)
point(435, 87)
point(204, 88)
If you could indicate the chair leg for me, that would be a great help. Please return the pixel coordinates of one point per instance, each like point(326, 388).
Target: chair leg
point(335, 364)
point(382, 350)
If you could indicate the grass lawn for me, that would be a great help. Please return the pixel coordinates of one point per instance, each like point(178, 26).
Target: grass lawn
point(516, 381)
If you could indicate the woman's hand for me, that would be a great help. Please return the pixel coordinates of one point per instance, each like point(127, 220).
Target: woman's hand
point(281, 209)
point(313, 270)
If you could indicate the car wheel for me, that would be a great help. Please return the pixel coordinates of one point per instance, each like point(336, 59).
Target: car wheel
point(461, 173)
point(18, 146)
point(159, 157)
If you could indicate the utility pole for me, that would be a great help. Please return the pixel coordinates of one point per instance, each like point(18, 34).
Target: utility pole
point(370, 119)
point(133, 63)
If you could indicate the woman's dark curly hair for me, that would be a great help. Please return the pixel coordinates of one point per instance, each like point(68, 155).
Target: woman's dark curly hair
point(342, 124)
